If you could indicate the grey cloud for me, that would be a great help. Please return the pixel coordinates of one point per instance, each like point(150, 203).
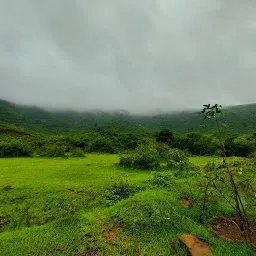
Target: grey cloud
point(134, 55)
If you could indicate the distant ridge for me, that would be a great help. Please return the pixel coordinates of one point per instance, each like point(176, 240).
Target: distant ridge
point(236, 119)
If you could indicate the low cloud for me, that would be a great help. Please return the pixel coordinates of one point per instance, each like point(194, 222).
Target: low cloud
point(139, 56)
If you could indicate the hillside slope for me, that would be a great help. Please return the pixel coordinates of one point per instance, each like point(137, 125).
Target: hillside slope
point(10, 129)
point(236, 119)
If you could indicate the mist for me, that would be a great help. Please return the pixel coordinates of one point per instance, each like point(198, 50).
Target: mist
point(139, 56)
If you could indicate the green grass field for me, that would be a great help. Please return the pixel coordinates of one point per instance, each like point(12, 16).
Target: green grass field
point(59, 207)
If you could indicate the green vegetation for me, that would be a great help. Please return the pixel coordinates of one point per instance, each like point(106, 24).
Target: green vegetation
point(114, 184)
point(91, 205)
point(143, 157)
point(236, 120)
point(10, 129)
point(109, 141)
point(217, 178)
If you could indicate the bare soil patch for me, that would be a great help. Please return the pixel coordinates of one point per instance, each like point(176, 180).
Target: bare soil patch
point(228, 229)
point(112, 234)
point(186, 203)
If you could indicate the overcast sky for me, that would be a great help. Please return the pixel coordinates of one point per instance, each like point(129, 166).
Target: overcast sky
point(137, 55)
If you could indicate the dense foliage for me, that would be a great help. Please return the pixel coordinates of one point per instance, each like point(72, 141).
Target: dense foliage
point(30, 131)
point(144, 157)
point(109, 141)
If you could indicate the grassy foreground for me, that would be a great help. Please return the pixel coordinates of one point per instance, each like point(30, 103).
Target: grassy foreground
point(61, 207)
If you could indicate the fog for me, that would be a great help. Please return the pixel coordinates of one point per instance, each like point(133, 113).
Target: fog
point(138, 56)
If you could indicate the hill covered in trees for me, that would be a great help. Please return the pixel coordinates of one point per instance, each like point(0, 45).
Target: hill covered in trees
point(235, 120)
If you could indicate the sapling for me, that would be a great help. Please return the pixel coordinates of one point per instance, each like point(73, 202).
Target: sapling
point(212, 112)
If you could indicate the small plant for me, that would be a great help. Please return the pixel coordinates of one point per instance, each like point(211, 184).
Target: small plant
point(210, 112)
point(161, 180)
point(118, 191)
point(4, 220)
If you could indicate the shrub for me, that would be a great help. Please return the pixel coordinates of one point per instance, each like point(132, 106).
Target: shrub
point(102, 145)
point(14, 149)
point(54, 150)
point(252, 155)
point(241, 147)
point(162, 149)
point(127, 141)
point(177, 159)
point(144, 157)
point(161, 180)
point(164, 136)
point(118, 191)
point(77, 152)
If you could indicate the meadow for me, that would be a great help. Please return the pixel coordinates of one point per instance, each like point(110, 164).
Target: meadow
point(92, 206)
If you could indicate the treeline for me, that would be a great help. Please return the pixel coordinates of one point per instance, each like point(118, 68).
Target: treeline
point(109, 141)
point(68, 145)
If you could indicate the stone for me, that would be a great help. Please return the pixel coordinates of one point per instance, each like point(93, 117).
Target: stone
point(194, 246)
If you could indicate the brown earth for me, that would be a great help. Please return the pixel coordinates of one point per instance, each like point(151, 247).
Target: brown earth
point(186, 203)
point(112, 234)
point(75, 191)
point(228, 229)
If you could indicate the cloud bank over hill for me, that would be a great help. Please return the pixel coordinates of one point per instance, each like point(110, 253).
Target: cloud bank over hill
point(134, 55)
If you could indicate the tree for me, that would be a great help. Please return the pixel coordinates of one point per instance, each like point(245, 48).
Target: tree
point(102, 145)
point(165, 136)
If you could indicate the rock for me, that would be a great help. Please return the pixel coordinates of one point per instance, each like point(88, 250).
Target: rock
point(194, 246)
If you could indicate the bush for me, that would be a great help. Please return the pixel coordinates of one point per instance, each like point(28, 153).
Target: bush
point(102, 145)
point(14, 149)
point(161, 180)
point(53, 150)
point(77, 152)
point(240, 146)
point(144, 157)
point(252, 155)
point(162, 149)
point(177, 159)
point(118, 191)
point(165, 136)
point(127, 141)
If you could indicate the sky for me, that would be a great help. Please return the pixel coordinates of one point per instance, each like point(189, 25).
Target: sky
point(139, 56)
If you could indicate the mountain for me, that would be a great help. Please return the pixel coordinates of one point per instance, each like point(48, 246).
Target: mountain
point(235, 119)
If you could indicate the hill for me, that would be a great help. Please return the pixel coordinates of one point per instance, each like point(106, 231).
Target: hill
point(236, 119)
point(10, 129)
